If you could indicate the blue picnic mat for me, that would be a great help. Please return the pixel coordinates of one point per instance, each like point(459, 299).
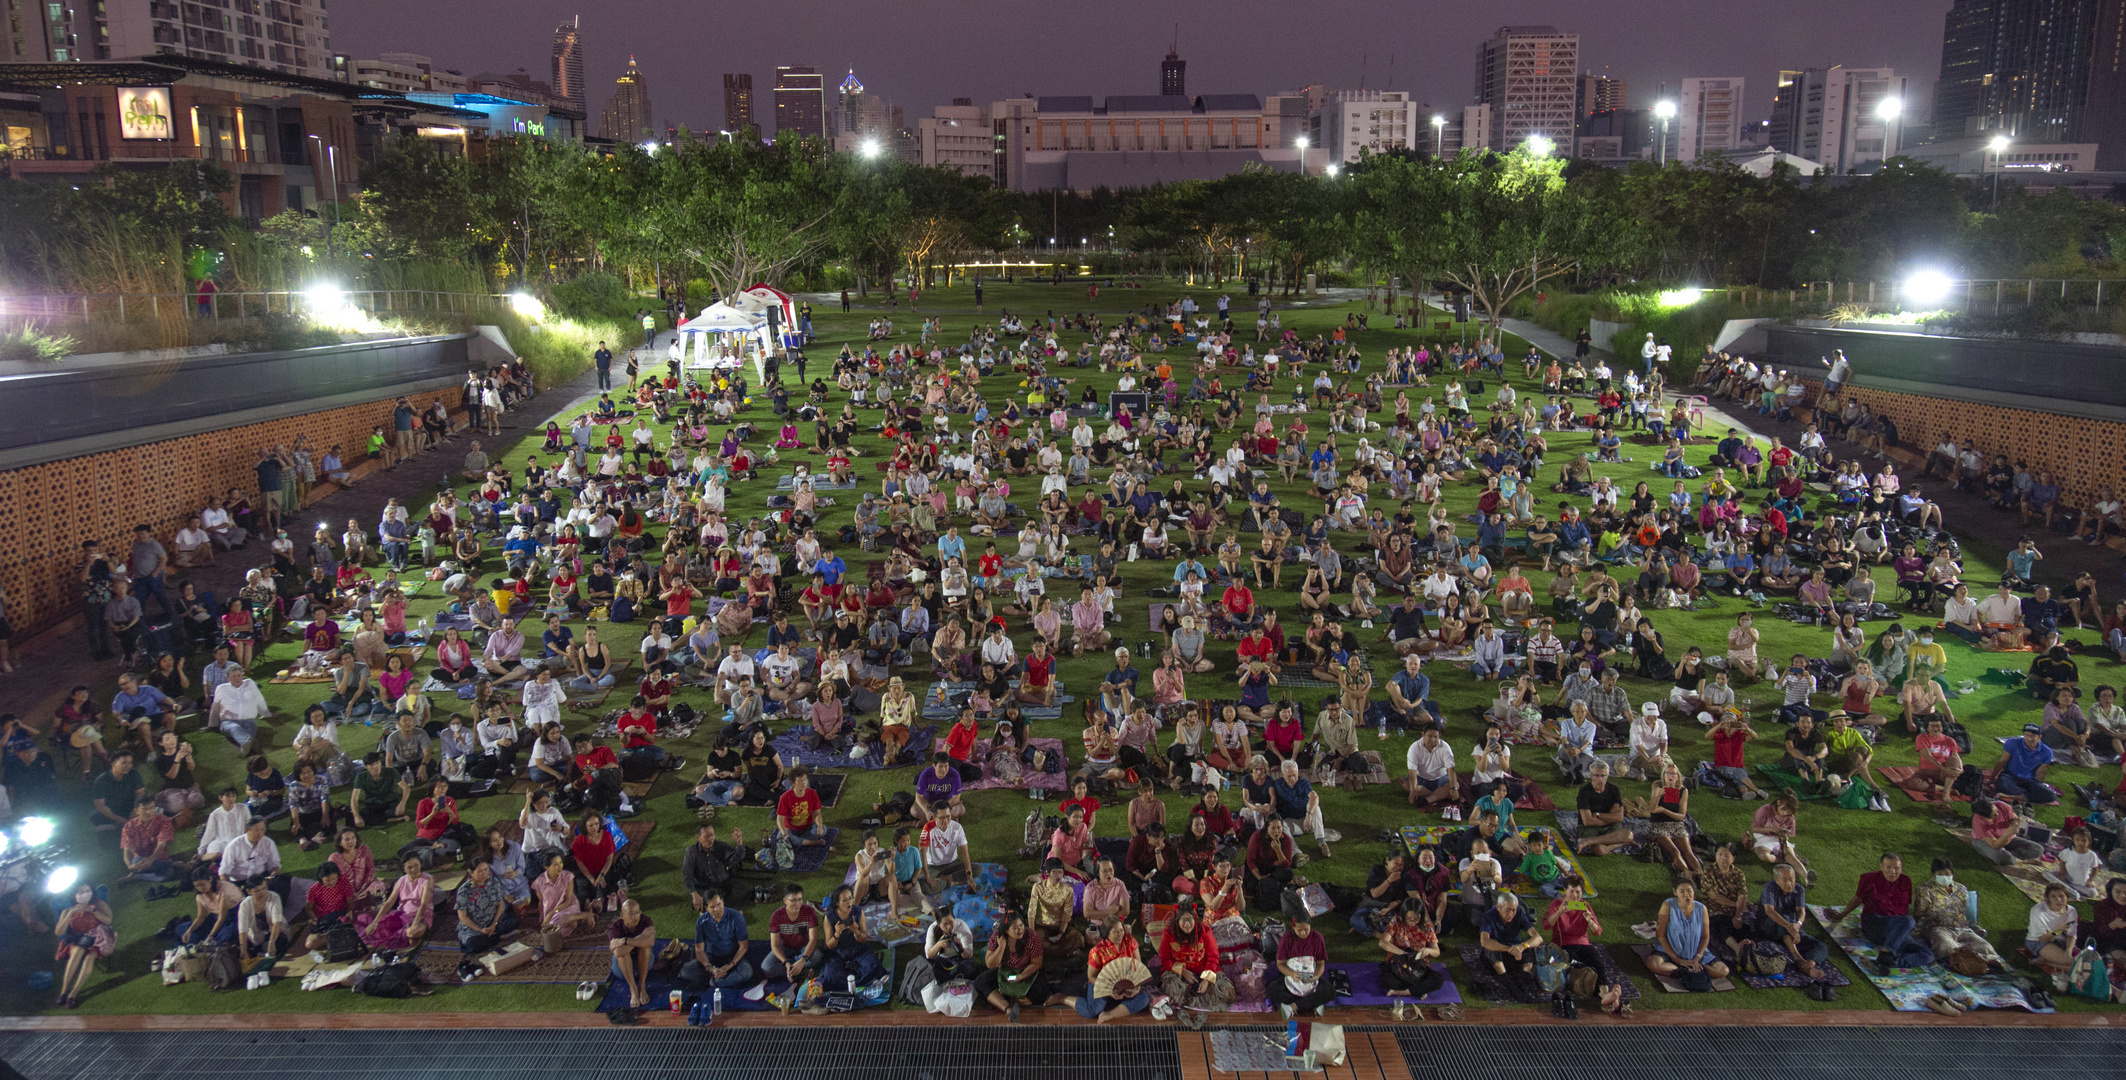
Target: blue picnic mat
point(790, 745)
point(1417, 836)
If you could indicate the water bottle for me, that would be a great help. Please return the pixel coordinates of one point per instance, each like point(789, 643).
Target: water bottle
point(716, 1005)
point(1133, 553)
point(1384, 727)
point(852, 984)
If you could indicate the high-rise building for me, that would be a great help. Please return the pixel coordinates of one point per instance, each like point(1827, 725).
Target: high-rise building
point(1708, 119)
point(405, 73)
point(627, 112)
point(800, 101)
point(1835, 116)
point(288, 37)
point(568, 64)
point(1618, 136)
point(1370, 120)
point(1173, 75)
point(862, 114)
point(1529, 75)
point(738, 104)
point(1598, 93)
point(2040, 70)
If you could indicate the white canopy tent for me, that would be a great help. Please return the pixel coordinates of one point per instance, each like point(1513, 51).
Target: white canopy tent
point(722, 336)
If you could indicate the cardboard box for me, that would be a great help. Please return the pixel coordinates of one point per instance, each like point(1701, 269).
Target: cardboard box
point(504, 961)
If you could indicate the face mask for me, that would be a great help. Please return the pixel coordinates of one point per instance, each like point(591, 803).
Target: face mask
point(1945, 879)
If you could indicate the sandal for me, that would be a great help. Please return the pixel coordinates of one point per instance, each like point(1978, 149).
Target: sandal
point(1624, 1010)
point(1940, 1003)
point(1449, 1011)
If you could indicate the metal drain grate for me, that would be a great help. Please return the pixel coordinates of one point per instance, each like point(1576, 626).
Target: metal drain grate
point(926, 1053)
point(1460, 1052)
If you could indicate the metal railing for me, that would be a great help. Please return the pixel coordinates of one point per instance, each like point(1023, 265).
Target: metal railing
point(1975, 295)
point(234, 304)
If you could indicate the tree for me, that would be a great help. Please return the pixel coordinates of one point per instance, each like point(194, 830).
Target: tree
point(742, 214)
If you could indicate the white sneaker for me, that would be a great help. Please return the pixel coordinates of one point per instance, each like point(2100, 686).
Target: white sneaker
point(1366, 623)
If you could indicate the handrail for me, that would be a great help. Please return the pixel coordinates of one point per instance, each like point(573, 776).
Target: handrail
point(235, 304)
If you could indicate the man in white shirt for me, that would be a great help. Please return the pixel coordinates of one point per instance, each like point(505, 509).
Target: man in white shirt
point(736, 669)
point(783, 673)
point(261, 924)
point(238, 707)
point(221, 526)
point(998, 649)
point(225, 823)
point(1439, 585)
point(2002, 616)
point(945, 855)
point(251, 855)
point(1431, 765)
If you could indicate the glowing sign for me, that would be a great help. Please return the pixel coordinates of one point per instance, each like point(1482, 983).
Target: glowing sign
point(144, 112)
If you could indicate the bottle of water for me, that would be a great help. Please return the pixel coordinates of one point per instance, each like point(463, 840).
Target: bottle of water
point(716, 1005)
point(1383, 727)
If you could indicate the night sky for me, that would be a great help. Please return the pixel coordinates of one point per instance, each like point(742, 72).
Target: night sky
point(918, 54)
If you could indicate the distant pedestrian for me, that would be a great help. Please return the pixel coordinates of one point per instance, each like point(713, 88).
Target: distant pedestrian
point(604, 359)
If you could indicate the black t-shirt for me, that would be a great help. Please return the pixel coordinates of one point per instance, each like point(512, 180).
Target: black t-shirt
point(726, 759)
point(163, 764)
point(762, 774)
point(844, 636)
point(1599, 802)
point(1017, 456)
point(1809, 744)
point(599, 581)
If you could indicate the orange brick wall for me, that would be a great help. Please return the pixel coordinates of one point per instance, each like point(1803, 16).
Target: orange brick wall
point(2081, 453)
point(47, 510)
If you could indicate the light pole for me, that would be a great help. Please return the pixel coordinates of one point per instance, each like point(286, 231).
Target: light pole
point(1999, 145)
point(1891, 113)
point(1439, 136)
point(1666, 110)
point(1301, 142)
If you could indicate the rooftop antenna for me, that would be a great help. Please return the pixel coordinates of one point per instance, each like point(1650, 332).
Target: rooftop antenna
point(1177, 39)
point(1391, 72)
point(1361, 71)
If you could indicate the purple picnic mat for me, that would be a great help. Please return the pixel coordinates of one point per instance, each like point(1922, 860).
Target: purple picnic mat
point(989, 783)
point(1365, 987)
point(790, 746)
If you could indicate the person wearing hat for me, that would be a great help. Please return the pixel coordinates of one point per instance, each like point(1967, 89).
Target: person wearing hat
point(1649, 743)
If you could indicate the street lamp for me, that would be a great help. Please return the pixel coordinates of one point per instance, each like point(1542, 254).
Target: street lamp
point(1301, 142)
point(1439, 136)
point(1999, 145)
point(1539, 145)
point(1666, 110)
point(1891, 112)
point(1331, 169)
point(869, 149)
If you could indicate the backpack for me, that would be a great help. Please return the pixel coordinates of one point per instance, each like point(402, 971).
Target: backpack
point(915, 979)
point(1552, 967)
point(1039, 828)
point(621, 610)
point(1754, 961)
point(2090, 977)
point(779, 853)
point(390, 981)
point(342, 943)
point(223, 970)
point(638, 766)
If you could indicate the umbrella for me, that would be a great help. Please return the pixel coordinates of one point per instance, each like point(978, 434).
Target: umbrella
point(1121, 978)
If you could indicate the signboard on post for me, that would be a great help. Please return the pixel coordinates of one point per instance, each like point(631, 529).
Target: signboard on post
point(144, 112)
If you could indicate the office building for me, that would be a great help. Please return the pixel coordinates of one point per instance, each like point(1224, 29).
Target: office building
point(1834, 116)
point(1618, 136)
point(738, 105)
point(862, 114)
point(1529, 75)
point(1123, 141)
point(1708, 119)
point(1173, 75)
point(405, 73)
point(2040, 70)
point(627, 112)
point(285, 36)
point(1598, 93)
point(800, 102)
point(568, 64)
point(1349, 121)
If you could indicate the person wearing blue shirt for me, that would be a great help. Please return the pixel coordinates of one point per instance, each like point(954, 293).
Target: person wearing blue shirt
point(1125, 674)
point(1410, 695)
point(1572, 533)
point(951, 546)
point(1741, 570)
point(1190, 566)
point(831, 567)
point(1576, 737)
point(1491, 535)
point(138, 700)
point(2021, 769)
point(719, 948)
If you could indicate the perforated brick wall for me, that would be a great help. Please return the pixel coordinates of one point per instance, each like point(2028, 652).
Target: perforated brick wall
point(46, 511)
point(2082, 454)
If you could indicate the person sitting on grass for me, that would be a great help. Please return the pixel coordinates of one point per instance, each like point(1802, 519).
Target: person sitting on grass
point(2020, 772)
point(1601, 811)
point(1683, 942)
point(1884, 897)
point(2053, 932)
point(1569, 921)
point(720, 943)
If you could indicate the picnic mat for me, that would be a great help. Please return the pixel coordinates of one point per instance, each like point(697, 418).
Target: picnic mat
point(1668, 982)
point(820, 482)
point(661, 983)
point(1900, 776)
point(289, 676)
point(2030, 876)
point(1791, 978)
point(1053, 777)
point(1365, 987)
point(1533, 797)
point(944, 700)
point(1803, 788)
point(1489, 986)
point(575, 964)
point(1417, 836)
point(790, 746)
point(1909, 988)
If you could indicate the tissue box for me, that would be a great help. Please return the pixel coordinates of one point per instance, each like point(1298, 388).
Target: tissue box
point(507, 960)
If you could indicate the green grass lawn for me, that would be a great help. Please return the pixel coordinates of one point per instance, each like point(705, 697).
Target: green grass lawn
point(1841, 844)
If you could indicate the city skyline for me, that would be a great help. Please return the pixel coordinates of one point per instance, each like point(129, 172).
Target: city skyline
point(908, 63)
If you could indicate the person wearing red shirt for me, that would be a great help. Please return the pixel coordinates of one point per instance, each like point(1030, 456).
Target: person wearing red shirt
point(328, 903)
point(1037, 684)
point(1091, 510)
point(638, 725)
point(1080, 796)
point(815, 602)
point(880, 597)
point(656, 688)
point(960, 740)
point(1884, 897)
point(1188, 967)
point(599, 768)
point(679, 600)
point(989, 566)
point(435, 814)
point(1239, 603)
point(601, 864)
point(797, 811)
point(1257, 647)
point(1731, 738)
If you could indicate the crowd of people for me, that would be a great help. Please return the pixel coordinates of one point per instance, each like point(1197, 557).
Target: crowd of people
point(997, 484)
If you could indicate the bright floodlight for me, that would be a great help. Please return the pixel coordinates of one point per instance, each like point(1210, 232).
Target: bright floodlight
point(527, 305)
point(2000, 143)
point(1889, 108)
point(1300, 142)
point(62, 879)
point(870, 148)
point(325, 298)
point(1927, 287)
point(1664, 109)
point(1439, 121)
point(1683, 297)
point(36, 830)
point(1332, 168)
point(1539, 145)
point(650, 147)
